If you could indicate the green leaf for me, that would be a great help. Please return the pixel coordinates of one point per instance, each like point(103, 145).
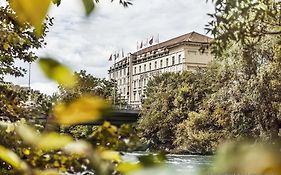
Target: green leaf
point(33, 12)
point(11, 158)
point(57, 2)
point(89, 6)
point(58, 72)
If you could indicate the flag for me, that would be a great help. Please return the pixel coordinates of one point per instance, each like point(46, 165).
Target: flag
point(117, 55)
point(141, 45)
point(123, 53)
point(110, 58)
point(146, 42)
point(151, 41)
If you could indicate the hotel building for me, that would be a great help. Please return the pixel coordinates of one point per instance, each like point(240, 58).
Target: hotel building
point(175, 55)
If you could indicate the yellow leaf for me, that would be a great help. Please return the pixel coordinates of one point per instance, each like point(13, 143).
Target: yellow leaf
point(84, 109)
point(58, 72)
point(31, 11)
point(28, 135)
point(78, 147)
point(50, 141)
point(127, 167)
point(110, 155)
point(6, 46)
point(47, 172)
point(53, 141)
point(11, 158)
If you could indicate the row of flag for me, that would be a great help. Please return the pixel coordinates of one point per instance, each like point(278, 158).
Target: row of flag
point(117, 55)
point(143, 44)
point(148, 42)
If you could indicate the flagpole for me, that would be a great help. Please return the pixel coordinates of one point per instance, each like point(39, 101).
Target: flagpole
point(114, 89)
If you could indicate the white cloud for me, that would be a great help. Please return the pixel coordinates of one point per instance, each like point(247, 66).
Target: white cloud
point(86, 43)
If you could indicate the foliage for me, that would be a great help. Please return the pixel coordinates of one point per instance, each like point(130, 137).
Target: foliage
point(19, 102)
point(246, 158)
point(88, 84)
point(231, 99)
point(17, 42)
point(243, 21)
point(170, 97)
point(121, 138)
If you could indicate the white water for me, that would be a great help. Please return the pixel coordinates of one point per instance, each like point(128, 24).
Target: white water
point(178, 164)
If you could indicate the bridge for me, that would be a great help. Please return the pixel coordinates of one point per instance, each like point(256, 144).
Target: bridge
point(119, 117)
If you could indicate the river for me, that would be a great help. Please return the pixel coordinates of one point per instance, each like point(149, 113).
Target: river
point(178, 164)
point(175, 164)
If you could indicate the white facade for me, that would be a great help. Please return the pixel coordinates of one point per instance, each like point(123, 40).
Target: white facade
point(133, 72)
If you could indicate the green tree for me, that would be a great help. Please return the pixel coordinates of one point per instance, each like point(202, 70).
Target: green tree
point(243, 21)
point(88, 84)
point(17, 42)
point(170, 97)
point(19, 102)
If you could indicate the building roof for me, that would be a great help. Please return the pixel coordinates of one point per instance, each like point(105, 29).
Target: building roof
point(192, 37)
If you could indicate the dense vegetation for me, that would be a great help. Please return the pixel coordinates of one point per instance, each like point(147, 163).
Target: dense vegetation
point(236, 97)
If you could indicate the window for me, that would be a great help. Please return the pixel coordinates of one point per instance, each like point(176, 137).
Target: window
point(167, 62)
point(161, 63)
point(135, 84)
point(149, 66)
point(144, 82)
point(120, 73)
point(124, 71)
point(173, 60)
point(155, 65)
point(135, 70)
point(179, 58)
point(139, 69)
point(134, 96)
point(144, 67)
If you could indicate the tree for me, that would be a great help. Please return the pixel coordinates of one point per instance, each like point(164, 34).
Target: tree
point(243, 21)
point(90, 85)
point(17, 42)
point(19, 102)
point(170, 97)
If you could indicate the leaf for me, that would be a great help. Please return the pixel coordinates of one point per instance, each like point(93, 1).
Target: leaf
point(58, 72)
point(84, 109)
point(78, 147)
point(6, 46)
point(89, 6)
point(33, 12)
point(57, 2)
point(110, 155)
point(127, 167)
point(11, 158)
point(50, 141)
point(47, 172)
point(53, 141)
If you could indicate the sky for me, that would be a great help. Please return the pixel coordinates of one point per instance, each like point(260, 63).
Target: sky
point(86, 43)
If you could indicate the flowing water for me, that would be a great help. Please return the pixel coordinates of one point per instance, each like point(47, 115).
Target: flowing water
point(176, 164)
point(180, 164)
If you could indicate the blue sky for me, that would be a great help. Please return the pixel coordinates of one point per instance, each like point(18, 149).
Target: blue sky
point(86, 43)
